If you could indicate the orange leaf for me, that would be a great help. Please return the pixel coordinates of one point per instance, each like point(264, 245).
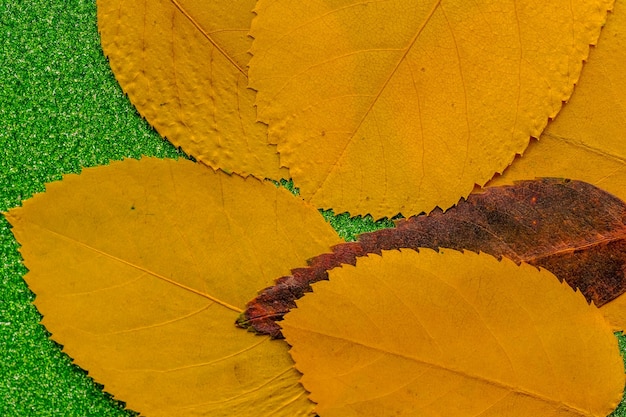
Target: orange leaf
point(452, 334)
point(183, 65)
point(140, 269)
point(401, 106)
point(588, 140)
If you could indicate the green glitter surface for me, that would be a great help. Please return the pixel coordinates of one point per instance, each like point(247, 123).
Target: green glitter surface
point(61, 109)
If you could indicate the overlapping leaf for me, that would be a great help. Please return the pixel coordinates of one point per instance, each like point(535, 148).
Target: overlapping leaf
point(452, 334)
point(401, 106)
point(140, 268)
point(587, 141)
point(571, 228)
point(183, 65)
point(158, 257)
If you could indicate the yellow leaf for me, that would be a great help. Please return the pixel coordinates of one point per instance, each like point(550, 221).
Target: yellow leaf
point(452, 334)
point(399, 106)
point(587, 141)
point(183, 65)
point(141, 268)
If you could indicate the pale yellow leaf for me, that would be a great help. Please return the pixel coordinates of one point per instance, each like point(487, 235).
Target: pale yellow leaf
point(140, 269)
point(183, 65)
point(401, 106)
point(452, 334)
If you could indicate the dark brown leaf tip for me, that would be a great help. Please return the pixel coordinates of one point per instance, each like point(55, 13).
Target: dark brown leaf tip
point(574, 229)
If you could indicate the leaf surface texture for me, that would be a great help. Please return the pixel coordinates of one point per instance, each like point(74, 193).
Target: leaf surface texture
point(574, 229)
point(382, 107)
point(140, 268)
point(183, 65)
point(454, 334)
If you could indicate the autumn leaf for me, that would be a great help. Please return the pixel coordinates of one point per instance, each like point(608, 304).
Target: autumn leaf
point(452, 334)
point(573, 229)
point(588, 140)
point(140, 268)
point(386, 107)
point(183, 65)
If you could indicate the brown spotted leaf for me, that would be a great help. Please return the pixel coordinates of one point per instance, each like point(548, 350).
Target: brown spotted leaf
point(571, 228)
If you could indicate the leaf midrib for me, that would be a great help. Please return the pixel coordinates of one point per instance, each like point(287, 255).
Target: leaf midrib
point(378, 94)
point(208, 37)
point(132, 265)
point(459, 372)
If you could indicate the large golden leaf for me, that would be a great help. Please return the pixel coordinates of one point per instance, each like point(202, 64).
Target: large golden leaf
point(400, 106)
point(452, 334)
point(587, 141)
point(183, 65)
point(140, 269)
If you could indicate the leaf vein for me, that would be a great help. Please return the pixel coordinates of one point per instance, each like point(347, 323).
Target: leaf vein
point(208, 36)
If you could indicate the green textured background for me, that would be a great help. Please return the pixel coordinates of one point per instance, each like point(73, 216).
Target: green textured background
point(61, 109)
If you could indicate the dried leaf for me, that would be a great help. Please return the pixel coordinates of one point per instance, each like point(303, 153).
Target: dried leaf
point(452, 334)
point(588, 140)
point(183, 65)
point(140, 268)
point(401, 106)
point(571, 228)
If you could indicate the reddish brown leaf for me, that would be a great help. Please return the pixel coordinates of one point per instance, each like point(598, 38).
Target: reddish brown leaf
point(571, 228)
